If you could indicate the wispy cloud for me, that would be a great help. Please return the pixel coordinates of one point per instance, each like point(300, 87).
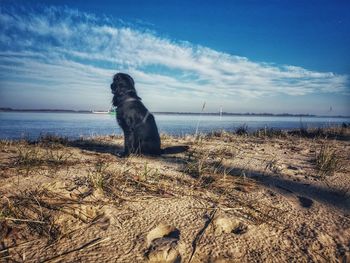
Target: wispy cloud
point(61, 49)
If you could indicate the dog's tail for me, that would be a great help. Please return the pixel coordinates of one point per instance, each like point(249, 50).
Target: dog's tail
point(174, 149)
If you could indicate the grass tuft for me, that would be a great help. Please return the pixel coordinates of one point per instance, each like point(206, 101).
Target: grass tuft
point(242, 130)
point(328, 161)
point(97, 176)
point(270, 133)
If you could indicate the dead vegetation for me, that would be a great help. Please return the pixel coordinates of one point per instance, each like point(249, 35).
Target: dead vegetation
point(57, 192)
point(26, 157)
point(31, 209)
point(328, 160)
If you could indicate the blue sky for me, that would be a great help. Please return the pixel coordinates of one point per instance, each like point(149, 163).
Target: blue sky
point(279, 56)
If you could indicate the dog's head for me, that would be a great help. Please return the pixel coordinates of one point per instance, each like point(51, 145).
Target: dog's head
point(121, 83)
point(123, 86)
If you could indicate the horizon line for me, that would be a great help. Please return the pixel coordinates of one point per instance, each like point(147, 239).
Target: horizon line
point(284, 114)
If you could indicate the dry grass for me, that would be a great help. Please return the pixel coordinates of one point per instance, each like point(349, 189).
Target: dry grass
point(328, 161)
point(270, 133)
point(205, 173)
point(272, 165)
point(333, 132)
point(242, 130)
point(204, 164)
point(30, 157)
point(33, 210)
point(97, 175)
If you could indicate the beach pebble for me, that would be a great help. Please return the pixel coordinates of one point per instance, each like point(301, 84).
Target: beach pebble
point(159, 232)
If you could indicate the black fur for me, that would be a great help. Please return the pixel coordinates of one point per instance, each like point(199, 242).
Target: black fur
point(140, 130)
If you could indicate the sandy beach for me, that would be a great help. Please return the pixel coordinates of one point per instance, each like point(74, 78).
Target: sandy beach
point(266, 197)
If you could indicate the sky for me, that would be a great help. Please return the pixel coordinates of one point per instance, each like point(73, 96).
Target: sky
point(244, 56)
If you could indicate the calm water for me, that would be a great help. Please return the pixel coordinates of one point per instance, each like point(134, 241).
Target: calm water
point(16, 125)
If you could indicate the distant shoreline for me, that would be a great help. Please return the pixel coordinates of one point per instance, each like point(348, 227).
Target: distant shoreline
point(44, 110)
point(178, 113)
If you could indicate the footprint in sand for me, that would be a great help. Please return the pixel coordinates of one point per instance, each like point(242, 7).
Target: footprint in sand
point(162, 244)
point(229, 225)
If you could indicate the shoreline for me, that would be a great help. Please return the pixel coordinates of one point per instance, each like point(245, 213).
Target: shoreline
point(223, 114)
point(336, 131)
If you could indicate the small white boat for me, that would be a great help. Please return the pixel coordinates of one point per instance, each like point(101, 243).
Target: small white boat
point(100, 112)
point(111, 111)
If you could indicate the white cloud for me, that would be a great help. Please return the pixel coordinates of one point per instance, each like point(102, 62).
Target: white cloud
point(64, 49)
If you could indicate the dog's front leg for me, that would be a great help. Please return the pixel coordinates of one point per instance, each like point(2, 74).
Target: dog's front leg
point(128, 143)
point(127, 148)
point(131, 143)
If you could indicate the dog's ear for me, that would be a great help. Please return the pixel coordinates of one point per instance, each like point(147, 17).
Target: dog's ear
point(131, 80)
point(125, 84)
point(124, 78)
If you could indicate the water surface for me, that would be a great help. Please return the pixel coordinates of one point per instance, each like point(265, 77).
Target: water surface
point(17, 125)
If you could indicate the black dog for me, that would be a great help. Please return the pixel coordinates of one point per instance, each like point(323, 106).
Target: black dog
point(140, 130)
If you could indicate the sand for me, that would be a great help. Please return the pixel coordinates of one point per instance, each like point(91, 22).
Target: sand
point(229, 198)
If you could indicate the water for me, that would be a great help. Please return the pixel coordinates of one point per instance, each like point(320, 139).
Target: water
point(17, 125)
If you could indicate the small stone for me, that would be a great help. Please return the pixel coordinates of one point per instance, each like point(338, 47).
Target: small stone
point(158, 232)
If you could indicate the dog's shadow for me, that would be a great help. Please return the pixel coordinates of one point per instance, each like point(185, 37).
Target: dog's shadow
point(97, 146)
point(117, 150)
